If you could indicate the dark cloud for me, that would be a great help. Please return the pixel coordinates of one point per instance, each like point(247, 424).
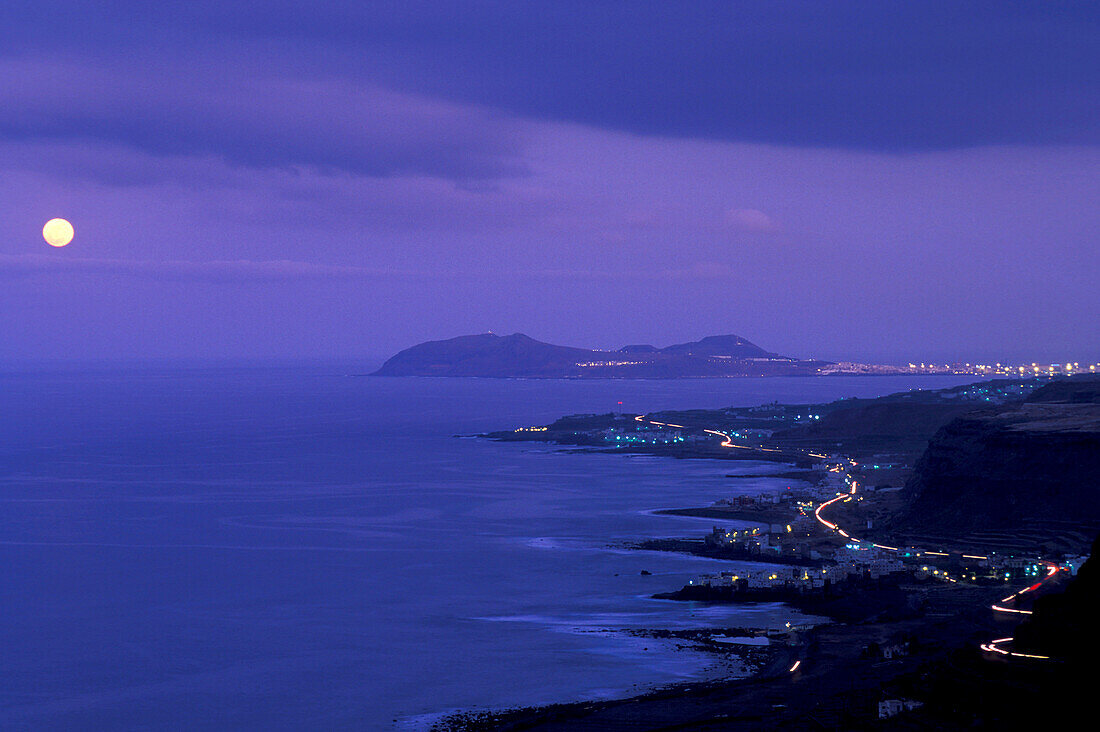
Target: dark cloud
point(253, 118)
point(868, 74)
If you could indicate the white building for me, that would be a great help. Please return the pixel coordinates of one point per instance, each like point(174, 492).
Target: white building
point(891, 707)
point(894, 650)
point(869, 559)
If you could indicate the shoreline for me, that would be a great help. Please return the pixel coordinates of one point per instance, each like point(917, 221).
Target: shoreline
point(890, 614)
point(780, 658)
point(767, 516)
point(701, 549)
point(760, 665)
point(832, 662)
point(579, 443)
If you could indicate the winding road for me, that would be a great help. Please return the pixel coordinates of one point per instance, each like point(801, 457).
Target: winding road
point(994, 646)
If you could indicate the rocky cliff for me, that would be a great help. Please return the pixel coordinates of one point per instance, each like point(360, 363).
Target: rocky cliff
point(1002, 469)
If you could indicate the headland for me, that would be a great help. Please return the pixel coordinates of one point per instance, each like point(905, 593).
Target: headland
point(881, 531)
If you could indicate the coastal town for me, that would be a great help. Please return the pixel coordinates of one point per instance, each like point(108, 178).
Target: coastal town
point(901, 595)
point(808, 537)
point(796, 525)
point(853, 563)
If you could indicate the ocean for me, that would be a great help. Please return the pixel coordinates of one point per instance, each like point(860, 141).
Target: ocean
point(302, 547)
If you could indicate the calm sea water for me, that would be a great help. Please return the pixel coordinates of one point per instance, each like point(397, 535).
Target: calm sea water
point(299, 548)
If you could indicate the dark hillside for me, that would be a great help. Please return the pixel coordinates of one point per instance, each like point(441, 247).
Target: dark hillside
point(725, 345)
point(1063, 625)
point(895, 426)
point(1075, 390)
point(1005, 468)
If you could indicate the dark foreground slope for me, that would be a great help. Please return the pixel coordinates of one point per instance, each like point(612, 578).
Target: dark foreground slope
point(1003, 469)
point(1063, 624)
point(520, 356)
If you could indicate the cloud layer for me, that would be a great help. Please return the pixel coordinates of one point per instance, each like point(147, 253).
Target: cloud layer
point(251, 118)
point(857, 74)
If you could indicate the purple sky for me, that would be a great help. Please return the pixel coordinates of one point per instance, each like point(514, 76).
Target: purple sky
point(862, 180)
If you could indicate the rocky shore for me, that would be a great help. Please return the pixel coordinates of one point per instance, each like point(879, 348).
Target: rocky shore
point(840, 677)
point(911, 633)
point(700, 548)
point(845, 603)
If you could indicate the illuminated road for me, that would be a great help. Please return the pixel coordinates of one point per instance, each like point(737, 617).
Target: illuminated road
point(727, 440)
point(993, 646)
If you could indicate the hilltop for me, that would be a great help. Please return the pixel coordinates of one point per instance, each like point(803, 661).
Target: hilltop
point(1020, 465)
point(520, 356)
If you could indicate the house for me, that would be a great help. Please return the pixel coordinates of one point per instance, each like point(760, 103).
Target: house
point(894, 650)
point(870, 560)
point(720, 537)
point(892, 707)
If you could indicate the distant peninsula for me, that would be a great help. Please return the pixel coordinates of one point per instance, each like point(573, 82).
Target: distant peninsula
point(519, 356)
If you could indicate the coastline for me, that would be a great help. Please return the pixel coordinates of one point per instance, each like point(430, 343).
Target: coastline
point(771, 663)
point(730, 514)
point(833, 666)
point(894, 609)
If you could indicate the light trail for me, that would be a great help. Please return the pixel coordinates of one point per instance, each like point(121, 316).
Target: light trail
point(642, 418)
point(821, 519)
point(727, 440)
point(992, 646)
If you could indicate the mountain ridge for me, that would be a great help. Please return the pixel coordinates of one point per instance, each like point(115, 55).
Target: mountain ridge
point(489, 355)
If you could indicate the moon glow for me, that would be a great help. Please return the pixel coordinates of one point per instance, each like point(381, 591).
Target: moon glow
point(57, 232)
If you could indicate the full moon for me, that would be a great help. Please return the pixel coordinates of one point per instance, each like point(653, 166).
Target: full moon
point(57, 232)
